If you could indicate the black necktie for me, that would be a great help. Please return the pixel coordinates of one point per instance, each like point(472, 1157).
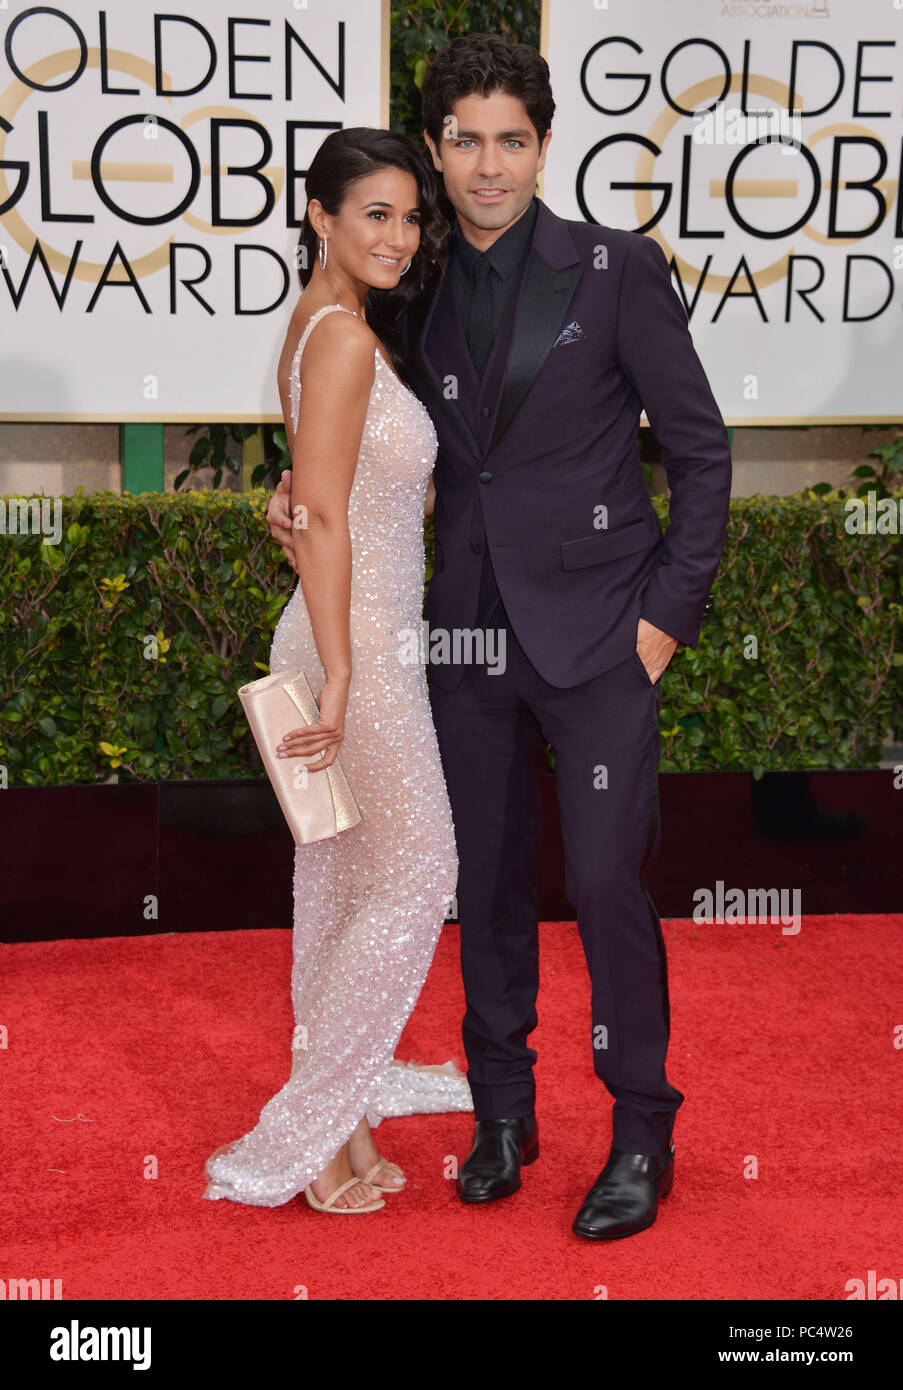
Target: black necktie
point(481, 316)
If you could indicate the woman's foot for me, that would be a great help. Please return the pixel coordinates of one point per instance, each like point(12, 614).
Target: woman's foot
point(365, 1155)
point(337, 1172)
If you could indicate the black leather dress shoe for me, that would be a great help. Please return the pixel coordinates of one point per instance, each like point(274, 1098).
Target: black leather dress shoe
point(624, 1198)
point(493, 1166)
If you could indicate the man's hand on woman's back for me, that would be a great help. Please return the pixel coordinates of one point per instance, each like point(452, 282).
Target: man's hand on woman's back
point(279, 516)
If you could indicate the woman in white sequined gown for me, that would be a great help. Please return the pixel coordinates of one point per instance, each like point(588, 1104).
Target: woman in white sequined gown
point(369, 903)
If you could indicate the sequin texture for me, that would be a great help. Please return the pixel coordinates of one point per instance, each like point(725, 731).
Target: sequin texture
point(368, 904)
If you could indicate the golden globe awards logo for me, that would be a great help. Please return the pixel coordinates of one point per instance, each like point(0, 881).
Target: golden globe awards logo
point(153, 168)
point(747, 140)
point(159, 153)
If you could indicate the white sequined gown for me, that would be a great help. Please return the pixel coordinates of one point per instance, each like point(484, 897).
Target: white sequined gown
point(369, 904)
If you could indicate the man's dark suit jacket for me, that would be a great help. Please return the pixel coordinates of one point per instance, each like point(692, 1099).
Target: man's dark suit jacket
point(539, 460)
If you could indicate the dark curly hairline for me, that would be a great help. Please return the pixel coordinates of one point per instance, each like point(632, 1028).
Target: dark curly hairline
point(483, 64)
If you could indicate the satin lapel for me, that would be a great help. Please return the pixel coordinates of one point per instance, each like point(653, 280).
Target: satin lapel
point(553, 274)
point(542, 309)
point(429, 375)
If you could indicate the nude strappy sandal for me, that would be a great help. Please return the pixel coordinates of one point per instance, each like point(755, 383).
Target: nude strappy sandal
point(377, 1168)
point(327, 1206)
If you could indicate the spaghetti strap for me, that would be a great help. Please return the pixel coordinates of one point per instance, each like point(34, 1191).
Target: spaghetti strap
point(294, 376)
point(315, 319)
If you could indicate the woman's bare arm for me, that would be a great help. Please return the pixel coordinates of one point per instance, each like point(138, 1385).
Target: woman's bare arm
point(429, 500)
point(338, 368)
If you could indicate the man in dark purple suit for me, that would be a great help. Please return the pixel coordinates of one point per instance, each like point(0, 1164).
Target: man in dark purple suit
point(535, 355)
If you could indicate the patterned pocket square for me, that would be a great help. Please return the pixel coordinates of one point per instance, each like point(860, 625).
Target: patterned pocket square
point(572, 334)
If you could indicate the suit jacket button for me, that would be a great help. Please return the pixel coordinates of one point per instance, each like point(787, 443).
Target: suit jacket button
point(486, 411)
point(485, 477)
point(475, 547)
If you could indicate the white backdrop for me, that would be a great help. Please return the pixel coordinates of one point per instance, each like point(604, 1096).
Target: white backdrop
point(734, 209)
point(75, 181)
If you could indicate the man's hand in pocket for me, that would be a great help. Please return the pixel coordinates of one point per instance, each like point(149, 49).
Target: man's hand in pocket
point(654, 648)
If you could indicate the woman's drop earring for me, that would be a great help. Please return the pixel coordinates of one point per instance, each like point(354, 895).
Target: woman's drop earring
point(407, 267)
point(324, 252)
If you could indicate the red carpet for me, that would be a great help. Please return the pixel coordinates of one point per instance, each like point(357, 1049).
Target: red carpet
point(127, 1052)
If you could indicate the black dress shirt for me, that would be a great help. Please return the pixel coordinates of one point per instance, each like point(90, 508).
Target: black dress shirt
point(493, 274)
point(505, 259)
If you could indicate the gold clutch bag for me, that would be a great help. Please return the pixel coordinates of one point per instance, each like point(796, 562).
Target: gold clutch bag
point(317, 805)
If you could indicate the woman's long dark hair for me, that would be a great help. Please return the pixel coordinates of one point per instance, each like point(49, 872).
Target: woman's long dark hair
point(346, 156)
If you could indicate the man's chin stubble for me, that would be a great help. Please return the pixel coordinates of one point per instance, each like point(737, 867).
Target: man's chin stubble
point(490, 219)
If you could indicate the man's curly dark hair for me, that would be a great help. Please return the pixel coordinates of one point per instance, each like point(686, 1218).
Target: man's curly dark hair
point(482, 64)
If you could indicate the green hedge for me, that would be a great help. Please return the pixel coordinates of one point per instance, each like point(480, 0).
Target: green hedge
point(85, 692)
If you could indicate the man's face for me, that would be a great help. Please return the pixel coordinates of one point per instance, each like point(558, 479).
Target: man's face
point(489, 157)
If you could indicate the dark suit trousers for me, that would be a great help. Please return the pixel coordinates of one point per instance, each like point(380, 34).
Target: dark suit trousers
point(491, 731)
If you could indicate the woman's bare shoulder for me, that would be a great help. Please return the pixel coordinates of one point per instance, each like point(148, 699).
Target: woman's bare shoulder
point(340, 341)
